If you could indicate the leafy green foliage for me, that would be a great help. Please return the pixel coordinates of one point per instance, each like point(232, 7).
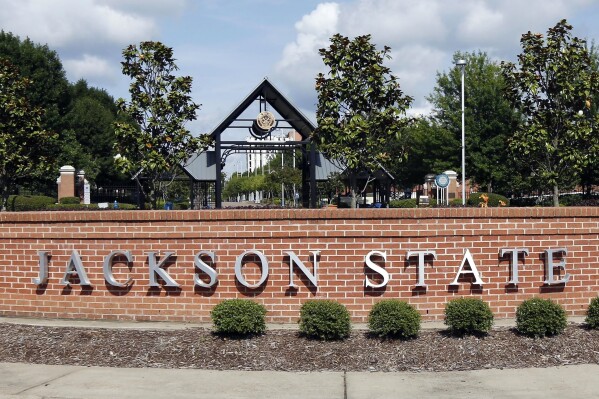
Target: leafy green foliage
point(89, 128)
point(394, 319)
point(404, 203)
point(456, 202)
point(69, 200)
point(539, 317)
point(324, 319)
point(156, 142)
point(23, 141)
point(468, 316)
point(553, 88)
point(48, 88)
point(592, 318)
point(360, 106)
point(79, 117)
point(430, 147)
point(238, 317)
point(489, 121)
point(21, 203)
point(495, 200)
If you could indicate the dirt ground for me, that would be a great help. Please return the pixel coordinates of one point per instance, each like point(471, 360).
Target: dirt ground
point(433, 350)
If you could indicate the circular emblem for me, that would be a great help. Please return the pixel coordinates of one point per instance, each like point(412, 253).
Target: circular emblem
point(265, 120)
point(442, 180)
point(263, 124)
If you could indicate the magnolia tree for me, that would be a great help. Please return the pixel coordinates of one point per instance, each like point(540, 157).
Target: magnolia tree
point(24, 143)
point(153, 145)
point(552, 87)
point(361, 107)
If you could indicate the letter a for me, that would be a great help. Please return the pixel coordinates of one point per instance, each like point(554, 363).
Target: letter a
point(473, 270)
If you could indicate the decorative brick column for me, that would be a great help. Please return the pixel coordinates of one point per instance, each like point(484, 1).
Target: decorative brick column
point(452, 189)
point(66, 182)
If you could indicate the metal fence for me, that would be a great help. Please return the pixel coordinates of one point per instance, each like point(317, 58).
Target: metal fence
point(119, 193)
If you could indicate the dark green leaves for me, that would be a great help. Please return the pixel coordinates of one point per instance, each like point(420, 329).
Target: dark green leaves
point(157, 142)
point(553, 87)
point(360, 105)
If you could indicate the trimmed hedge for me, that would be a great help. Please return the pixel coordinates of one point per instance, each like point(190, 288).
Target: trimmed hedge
point(69, 200)
point(539, 317)
point(83, 207)
point(475, 200)
point(592, 318)
point(22, 203)
point(403, 203)
point(324, 319)
point(468, 316)
point(71, 207)
point(394, 319)
point(236, 317)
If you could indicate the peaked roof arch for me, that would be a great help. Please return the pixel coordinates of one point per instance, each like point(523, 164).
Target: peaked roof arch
point(266, 90)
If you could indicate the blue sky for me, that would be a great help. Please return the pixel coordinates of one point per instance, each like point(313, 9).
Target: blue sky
point(229, 46)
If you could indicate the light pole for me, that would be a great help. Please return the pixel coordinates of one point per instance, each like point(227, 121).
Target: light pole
point(462, 65)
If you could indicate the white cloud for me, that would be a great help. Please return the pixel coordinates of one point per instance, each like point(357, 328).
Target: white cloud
point(89, 67)
point(313, 32)
point(300, 61)
point(147, 7)
point(423, 35)
point(63, 23)
point(393, 20)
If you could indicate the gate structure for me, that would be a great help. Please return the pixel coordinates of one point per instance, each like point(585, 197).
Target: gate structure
point(264, 111)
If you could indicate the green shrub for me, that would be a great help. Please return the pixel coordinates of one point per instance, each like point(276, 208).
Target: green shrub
point(238, 317)
point(183, 205)
point(475, 199)
point(468, 316)
point(538, 317)
point(125, 207)
point(404, 203)
point(394, 319)
point(84, 207)
point(455, 202)
point(592, 318)
point(324, 319)
point(69, 200)
point(71, 207)
point(21, 203)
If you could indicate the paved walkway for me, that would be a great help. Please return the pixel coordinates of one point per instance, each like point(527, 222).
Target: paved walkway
point(40, 381)
point(24, 381)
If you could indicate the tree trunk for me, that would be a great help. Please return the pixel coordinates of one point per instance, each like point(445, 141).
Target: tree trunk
point(555, 195)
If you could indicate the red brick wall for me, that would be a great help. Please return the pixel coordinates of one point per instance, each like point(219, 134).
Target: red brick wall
point(343, 237)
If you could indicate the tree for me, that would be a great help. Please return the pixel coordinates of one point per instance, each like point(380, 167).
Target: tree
point(157, 143)
point(588, 176)
point(552, 88)
point(90, 122)
point(489, 119)
point(23, 141)
point(430, 147)
point(360, 106)
point(48, 86)
point(47, 89)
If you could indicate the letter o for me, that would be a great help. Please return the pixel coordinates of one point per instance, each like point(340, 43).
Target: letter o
point(264, 266)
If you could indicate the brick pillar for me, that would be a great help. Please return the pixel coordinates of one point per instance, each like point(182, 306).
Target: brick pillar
point(66, 182)
point(452, 189)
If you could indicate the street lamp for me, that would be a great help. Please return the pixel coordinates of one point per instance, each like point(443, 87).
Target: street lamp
point(462, 65)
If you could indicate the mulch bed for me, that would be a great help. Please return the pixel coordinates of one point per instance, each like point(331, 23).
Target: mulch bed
point(286, 350)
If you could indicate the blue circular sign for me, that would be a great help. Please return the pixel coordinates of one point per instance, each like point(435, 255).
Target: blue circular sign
point(442, 180)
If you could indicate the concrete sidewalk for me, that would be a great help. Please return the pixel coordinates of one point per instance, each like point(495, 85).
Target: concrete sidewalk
point(41, 381)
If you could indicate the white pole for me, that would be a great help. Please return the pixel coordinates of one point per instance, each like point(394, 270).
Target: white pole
point(462, 65)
